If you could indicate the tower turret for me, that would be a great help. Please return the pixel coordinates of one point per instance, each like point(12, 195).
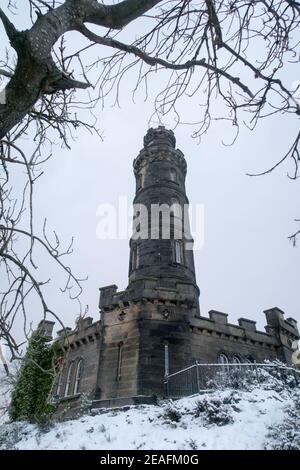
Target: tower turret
point(161, 245)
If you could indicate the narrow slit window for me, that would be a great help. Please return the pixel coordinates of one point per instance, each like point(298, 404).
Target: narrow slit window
point(78, 377)
point(178, 251)
point(173, 175)
point(140, 181)
point(119, 365)
point(133, 258)
point(59, 383)
point(176, 219)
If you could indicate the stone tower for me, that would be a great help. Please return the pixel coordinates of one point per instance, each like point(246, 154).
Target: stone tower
point(160, 249)
point(149, 321)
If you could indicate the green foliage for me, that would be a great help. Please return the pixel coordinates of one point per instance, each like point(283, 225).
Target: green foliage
point(34, 381)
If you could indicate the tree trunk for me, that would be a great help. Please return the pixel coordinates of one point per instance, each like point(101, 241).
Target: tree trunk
point(36, 72)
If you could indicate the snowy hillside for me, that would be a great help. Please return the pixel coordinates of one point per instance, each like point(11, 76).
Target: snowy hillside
point(230, 419)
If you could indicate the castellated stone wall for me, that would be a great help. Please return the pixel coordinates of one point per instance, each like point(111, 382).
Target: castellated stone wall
point(213, 336)
point(123, 355)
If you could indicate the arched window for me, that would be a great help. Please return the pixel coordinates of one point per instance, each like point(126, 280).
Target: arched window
point(173, 175)
point(119, 363)
point(59, 383)
point(178, 251)
point(236, 360)
point(223, 359)
point(78, 376)
point(249, 360)
point(68, 389)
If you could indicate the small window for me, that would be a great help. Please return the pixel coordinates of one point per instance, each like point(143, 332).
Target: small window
point(68, 389)
point(135, 257)
point(173, 175)
point(119, 364)
point(176, 219)
point(132, 258)
point(136, 226)
point(167, 363)
point(78, 376)
point(140, 181)
point(178, 251)
point(237, 361)
point(223, 359)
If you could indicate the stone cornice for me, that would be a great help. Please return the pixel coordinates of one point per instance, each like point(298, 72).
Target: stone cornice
point(159, 153)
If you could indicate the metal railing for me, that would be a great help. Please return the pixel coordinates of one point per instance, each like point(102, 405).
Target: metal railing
point(203, 377)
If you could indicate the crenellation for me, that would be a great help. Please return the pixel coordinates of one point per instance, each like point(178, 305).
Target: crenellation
point(292, 321)
point(46, 328)
point(247, 324)
point(84, 322)
point(218, 317)
point(106, 295)
point(240, 332)
point(64, 331)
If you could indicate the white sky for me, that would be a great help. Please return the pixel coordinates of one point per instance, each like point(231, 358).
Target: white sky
point(246, 264)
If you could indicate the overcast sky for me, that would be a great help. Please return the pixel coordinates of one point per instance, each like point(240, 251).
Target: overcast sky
point(246, 263)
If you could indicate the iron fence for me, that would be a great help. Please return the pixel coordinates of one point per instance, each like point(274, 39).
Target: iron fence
point(203, 377)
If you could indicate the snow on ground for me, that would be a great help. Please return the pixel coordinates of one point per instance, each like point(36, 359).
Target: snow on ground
point(218, 420)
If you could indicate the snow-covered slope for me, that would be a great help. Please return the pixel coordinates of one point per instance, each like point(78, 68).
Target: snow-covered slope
point(230, 419)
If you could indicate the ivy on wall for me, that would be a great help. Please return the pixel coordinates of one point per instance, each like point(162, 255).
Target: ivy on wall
point(29, 399)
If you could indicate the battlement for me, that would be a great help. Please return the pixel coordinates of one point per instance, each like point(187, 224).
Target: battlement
point(159, 136)
point(277, 339)
point(274, 316)
point(45, 327)
point(85, 331)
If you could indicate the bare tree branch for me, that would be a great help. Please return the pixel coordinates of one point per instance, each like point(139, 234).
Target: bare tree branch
point(5, 73)
point(153, 61)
